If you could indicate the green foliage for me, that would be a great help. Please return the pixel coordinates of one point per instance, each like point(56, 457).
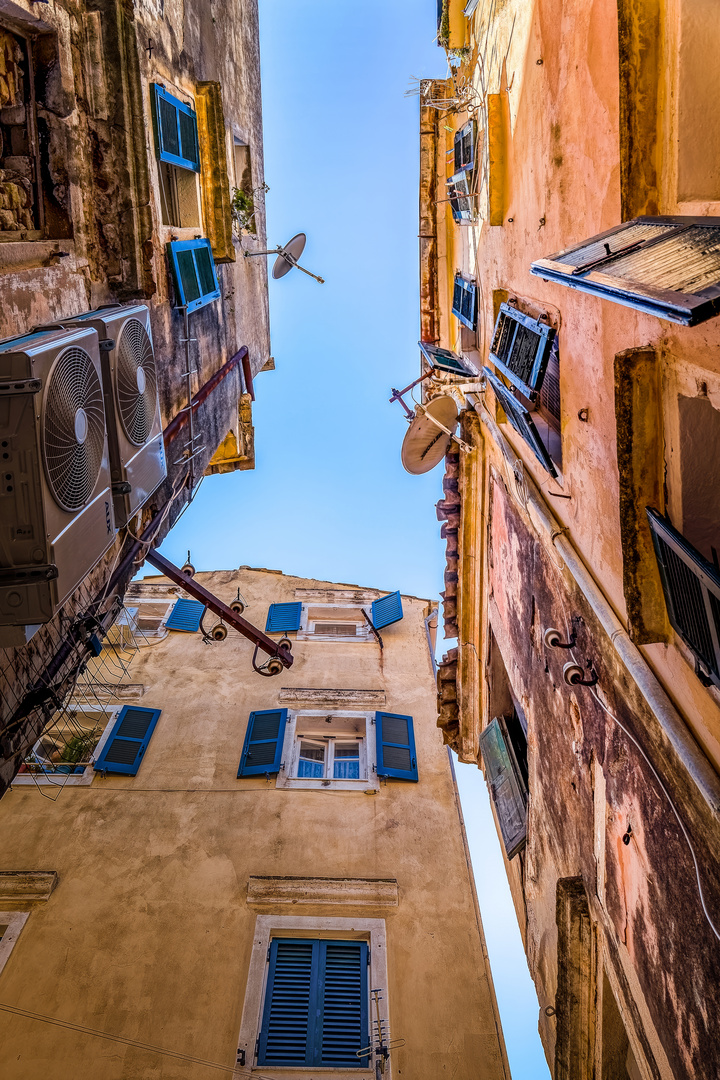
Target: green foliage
point(79, 747)
point(444, 32)
point(243, 211)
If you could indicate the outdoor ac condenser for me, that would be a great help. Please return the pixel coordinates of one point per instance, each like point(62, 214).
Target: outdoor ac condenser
point(56, 507)
point(135, 440)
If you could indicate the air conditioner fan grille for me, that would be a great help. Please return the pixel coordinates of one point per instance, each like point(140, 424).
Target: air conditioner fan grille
point(73, 429)
point(136, 382)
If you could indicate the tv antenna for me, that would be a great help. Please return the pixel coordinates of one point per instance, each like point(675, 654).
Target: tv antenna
point(382, 1044)
point(287, 257)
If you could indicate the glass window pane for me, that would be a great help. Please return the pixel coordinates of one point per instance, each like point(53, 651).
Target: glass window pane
point(312, 761)
point(347, 761)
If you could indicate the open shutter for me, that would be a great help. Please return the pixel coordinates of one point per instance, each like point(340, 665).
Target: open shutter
point(521, 349)
point(283, 618)
point(193, 269)
point(176, 133)
point(343, 993)
point(186, 615)
point(505, 786)
point(460, 196)
point(387, 610)
point(395, 745)
point(124, 748)
point(521, 420)
point(262, 752)
point(692, 592)
point(464, 147)
point(446, 360)
point(666, 266)
point(316, 1004)
point(463, 307)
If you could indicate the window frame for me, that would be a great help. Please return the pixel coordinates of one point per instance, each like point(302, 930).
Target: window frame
point(333, 928)
point(288, 778)
point(15, 921)
point(307, 631)
point(467, 286)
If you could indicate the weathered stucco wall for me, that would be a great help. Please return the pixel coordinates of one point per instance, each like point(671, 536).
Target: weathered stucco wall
point(148, 933)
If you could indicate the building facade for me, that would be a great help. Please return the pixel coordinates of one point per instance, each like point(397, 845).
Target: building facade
point(132, 175)
point(249, 860)
point(569, 279)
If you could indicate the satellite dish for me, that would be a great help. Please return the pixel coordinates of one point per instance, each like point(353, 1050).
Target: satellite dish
point(289, 255)
point(425, 444)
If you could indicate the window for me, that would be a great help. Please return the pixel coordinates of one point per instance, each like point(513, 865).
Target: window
point(126, 742)
point(11, 923)
point(316, 1004)
point(334, 622)
point(521, 349)
point(669, 267)
point(464, 147)
point(503, 745)
point(519, 416)
point(446, 360)
point(691, 586)
point(176, 145)
point(329, 747)
point(193, 269)
point(464, 306)
point(461, 196)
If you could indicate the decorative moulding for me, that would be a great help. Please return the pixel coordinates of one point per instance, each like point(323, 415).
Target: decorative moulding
point(337, 596)
point(308, 697)
point(360, 892)
point(20, 885)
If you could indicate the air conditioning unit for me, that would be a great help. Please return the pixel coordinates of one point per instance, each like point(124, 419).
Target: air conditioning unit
point(132, 406)
point(56, 507)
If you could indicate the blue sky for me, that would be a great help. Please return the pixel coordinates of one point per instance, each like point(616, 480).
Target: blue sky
point(328, 497)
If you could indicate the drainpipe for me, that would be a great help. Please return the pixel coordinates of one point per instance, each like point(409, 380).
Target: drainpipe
point(671, 722)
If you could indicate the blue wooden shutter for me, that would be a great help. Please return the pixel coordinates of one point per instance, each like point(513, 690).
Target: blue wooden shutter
point(521, 349)
point(283, 618)
point(387, 610)
point(692, 592)
point(464, 307)
point(505, 785)
point(262, 752)
point(395, 745)
point(193, 270)
point(176, 134)
point(519, 417)
point(124, 749)
point(186, 615)
point(445, 360)
point(316, 1004)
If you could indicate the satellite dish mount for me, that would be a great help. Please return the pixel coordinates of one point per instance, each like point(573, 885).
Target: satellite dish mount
point(287, 258)
point(397, 395)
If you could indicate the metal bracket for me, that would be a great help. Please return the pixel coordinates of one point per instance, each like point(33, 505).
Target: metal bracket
point(27, 575)
point(368, 620)
point(20, 386)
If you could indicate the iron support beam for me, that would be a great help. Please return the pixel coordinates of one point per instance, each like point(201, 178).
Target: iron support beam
point(196, 590)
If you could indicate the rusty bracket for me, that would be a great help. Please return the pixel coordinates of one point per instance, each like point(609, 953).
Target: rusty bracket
point(368, 620)
point(196, 590)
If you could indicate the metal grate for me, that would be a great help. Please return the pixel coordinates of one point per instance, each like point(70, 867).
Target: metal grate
point(73, 429)
point(136, 382)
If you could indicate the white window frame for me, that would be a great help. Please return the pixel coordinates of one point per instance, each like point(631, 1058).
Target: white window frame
point(14, 920)
point(307, 631)
point(288, 777)
point(134, 612)
point(268, 927)
point(62, 780)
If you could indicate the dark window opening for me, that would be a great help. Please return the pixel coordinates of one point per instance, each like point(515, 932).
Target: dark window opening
point(33, 178)
point(699, 441)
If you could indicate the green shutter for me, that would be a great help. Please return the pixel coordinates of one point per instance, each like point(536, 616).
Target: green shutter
point(506, 786)
point(193, 270)
point(176, 134)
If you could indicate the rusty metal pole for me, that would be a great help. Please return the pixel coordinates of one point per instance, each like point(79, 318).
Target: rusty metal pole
point(194, 588)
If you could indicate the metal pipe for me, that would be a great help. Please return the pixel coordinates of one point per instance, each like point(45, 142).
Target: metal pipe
point(182, 418)
point(194, 588)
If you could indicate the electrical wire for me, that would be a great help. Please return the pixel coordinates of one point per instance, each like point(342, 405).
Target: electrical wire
point(55, 1022)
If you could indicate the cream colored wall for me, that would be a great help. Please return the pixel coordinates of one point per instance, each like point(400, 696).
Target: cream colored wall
point(148, 934)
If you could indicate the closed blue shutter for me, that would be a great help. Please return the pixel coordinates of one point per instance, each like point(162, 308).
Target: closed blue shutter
point(505, 785)
point(521, 419)
point(395, 745)
point(464, 306)
point(283, 618)
point(193, 270)
point(124, 749)
point(521, 349)
point(186, 615)
point(316, 1004)
point(262, 751)
point(387, 610)
point(175, 124)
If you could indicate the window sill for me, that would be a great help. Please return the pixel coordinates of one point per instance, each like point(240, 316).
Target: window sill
point(303, 784)
point(355, 639)
point(58, 780)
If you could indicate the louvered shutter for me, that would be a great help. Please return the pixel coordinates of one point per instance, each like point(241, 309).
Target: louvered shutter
point(395, 746)
point(176, 135)
point(464, 147)
point(460, 197)
point(283, 618)
point(445, 360)
point(666, 266)
point(464, 302)
point(124, 749)
point(316, 1004)
point(692, 592)
point(519, 417)
point(186, 616)
point(521, 349)
point(193, 270)
point(387, 610)
point(505, 786)
point(262, 751)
